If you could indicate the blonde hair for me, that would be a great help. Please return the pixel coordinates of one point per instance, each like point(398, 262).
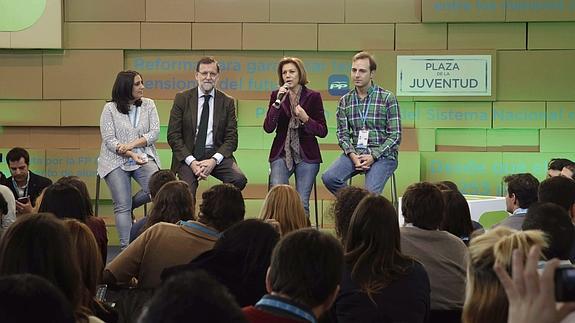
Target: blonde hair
point(485, 299)
point(284, 205)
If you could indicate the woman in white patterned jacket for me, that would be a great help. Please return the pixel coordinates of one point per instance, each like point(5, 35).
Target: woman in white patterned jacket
point(129, 126)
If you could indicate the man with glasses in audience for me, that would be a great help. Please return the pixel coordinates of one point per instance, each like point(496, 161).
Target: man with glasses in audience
point(203, 131)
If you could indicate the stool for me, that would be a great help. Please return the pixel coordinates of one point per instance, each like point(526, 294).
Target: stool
point(97, 201)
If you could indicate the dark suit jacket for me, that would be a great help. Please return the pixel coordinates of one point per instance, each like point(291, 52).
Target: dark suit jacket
point(183, 123)
point(35, 186)
point(278, 120)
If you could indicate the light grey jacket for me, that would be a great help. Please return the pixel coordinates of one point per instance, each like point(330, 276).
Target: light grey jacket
point(10, 217)
point(116, 128)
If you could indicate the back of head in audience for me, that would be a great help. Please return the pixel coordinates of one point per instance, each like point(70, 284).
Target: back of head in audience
point(568, 171)
point(172, 203)
point(191, 297)
point(3, 206)
point(346, 200)
point(485, 297)
point(31, 298)
point(88, 255)
point(40, 244)
point(81, 186)
point(555, 222)
point(521, 191)
point(222, 206)
point(306, 267)
point(559, 190)
point(456, 216)
point(555, 166)
point(284, 205)
point(422, 205)
point(372, 248)
point(158, 179)
point(64, 201)
point(447, 185)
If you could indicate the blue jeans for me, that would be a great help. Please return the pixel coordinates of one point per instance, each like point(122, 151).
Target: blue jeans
point(342, 169)
point(305, 174)
point(119, 182)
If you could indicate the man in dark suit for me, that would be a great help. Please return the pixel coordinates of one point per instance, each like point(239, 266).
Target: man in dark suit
point(203, 131)
point(25, 185)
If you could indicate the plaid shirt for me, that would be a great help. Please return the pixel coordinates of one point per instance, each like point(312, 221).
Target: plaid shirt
point(380, 116)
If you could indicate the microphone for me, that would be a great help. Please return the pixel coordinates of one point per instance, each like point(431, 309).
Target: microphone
point(279, 98)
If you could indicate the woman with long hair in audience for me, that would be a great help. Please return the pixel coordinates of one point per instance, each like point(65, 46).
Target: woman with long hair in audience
point(64, 201)
point(130, 127)
point(96, 224)
point(346, 200)
point(457, 216)
point(485, 299)
point(380, 284)
point(90, 264)
point(40, 244)
point(172, 203)
point(283, 204)
point(239, 260)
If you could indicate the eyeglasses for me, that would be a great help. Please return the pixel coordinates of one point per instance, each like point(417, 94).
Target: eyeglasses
point(206, 74)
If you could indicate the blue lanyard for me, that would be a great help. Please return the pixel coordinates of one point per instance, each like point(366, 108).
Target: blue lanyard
point(199, 227)
point(16, 188)
point(287, 307)
point(363, 114)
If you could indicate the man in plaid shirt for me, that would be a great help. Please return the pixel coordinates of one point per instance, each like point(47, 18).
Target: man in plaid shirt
point(368, 131)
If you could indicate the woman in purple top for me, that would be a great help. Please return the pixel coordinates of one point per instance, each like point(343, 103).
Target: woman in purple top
point(296, 114)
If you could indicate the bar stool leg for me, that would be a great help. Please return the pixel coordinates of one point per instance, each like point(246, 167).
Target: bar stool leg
point(97, 195)
point(315, 204)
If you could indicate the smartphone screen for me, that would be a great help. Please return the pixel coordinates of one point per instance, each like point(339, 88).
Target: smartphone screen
point(101, 292)
point(24, 199)
point(565, 283)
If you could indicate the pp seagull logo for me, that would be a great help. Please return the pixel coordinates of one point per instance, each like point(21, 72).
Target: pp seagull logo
point(337, 84)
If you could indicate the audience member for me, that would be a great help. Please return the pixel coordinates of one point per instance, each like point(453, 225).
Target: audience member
point(447, 185)
point(239, 260)
point(521, 193)
point(64, 201)
point(192, 297)
point(96, 224)
point(554, 221)
point(485, 298)
point(302, 281)
point(166, 245)
point(31, 298)
point(561, 191)
point(40, 244)
point(568, 171)
point(555, 166)
point(535, 304)
point(457, 216)
point(173, 203)
point(443, 255)
point(346, 200)
point(284, 205)
point(380, 283)
point(24, 184)
point(90, 263)
point(157, 180)
point(7, 208)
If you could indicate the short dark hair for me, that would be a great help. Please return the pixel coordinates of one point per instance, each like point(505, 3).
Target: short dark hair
point(447, 185)
point(122, 91)
point(81, 186)
point(306, 266)
point(158, 179)
point(346, 200)
point(192, 293)
point(524, 186)
point(19, 292)
point(64, 201)
point(222, 206)
point(571, 167)
point(207, 60)
point(422, 205)
point(369, 56)
point(558, 163)
point(300, 68)
point(456, 216)
point(16, 153)
point(555, 222)
point(559, 190)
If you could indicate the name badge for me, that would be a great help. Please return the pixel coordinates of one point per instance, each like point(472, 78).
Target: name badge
point(362, 138)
